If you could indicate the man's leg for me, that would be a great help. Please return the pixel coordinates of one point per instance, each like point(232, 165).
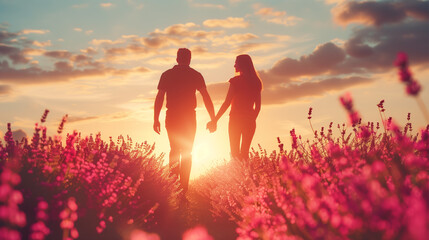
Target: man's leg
point(173, 137)
point(189, 129)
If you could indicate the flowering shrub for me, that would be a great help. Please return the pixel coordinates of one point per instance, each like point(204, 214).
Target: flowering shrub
point(360, 185)
point(117, 186)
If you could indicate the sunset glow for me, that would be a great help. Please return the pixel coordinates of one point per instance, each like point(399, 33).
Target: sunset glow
point(311, 119)
point(100, 63)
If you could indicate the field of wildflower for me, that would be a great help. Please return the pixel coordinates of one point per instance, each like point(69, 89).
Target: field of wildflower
point(351, 181)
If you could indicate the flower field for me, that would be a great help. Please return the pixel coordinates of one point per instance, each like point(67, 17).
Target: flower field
point(351, 181)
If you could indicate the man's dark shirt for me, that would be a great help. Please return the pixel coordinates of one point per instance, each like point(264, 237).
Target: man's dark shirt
point(180, 84)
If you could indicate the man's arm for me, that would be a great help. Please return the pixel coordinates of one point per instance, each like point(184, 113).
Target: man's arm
point(159, 101)
point(208, 103)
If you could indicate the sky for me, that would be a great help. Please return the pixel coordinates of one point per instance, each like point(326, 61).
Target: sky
point(99, 62)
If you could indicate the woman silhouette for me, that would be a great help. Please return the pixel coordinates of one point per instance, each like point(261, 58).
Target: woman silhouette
point(244, 96)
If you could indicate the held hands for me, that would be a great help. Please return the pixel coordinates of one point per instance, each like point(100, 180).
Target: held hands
point(212, 126)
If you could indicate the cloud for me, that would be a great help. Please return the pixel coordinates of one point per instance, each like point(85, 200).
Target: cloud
point(137, 48)
point(280, 38)
point(5, 90)
point(279, 94)
point(106, 5)
point(5, 36)
point(89, 50)
point(205, 5)
point(374, 49)
point(97, 42)
point(42, 44)
point(33, 31)
point(13, 53)
point(63, 71)
point(277, 17)
point(229, 22)
point(105, 117)
point(184, 30)
point(233, 39)
point(64, 54)
point(73, 119)
point(379, 13)
point(321, 60)
point(252, 47)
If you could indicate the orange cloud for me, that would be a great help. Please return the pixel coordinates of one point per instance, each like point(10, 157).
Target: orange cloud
point(89, 50)
point(106, 5)
point(233, 39)
point(63, 71)
point(42, 44)
point(280, 38)
point(33, 31)
point(97, 42)
point(229, 22)
point(205, 5)
point(252, 47)
point(5, 90)
point(277, 17)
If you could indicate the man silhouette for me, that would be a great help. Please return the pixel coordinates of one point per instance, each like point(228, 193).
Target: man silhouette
point(180, 84)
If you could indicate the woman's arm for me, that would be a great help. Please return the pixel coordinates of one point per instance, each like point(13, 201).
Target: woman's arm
point(225, 104)
point(257, 104)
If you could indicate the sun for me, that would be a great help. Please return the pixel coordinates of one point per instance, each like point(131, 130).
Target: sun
point(208, 152)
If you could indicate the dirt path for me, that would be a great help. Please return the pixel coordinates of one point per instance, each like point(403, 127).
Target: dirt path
point(195, 211)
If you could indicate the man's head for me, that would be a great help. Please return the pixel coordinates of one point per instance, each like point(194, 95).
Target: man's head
point(183, 56)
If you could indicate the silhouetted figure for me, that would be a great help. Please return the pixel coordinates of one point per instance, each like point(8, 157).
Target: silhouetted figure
point(180, 84)
point(244, 96)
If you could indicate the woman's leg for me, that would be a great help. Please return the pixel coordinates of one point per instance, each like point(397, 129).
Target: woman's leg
point(234, 137)
point(248, 130)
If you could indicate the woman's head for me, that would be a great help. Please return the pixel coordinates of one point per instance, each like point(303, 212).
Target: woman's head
point(244, 66)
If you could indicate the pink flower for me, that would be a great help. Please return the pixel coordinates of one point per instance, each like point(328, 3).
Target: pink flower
point(67, 224)
point(16, 197)
point(401, 60)
point(5, 190)
point(42, 205)
point(347, 102)
point(197, 233)
point(413, 88)
point(74, 233)
point(72, 204)
point(141, 235)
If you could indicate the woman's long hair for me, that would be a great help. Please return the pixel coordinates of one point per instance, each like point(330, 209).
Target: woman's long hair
point(248, 70)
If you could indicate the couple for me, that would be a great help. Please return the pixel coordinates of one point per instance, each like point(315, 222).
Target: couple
point(180, 84)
